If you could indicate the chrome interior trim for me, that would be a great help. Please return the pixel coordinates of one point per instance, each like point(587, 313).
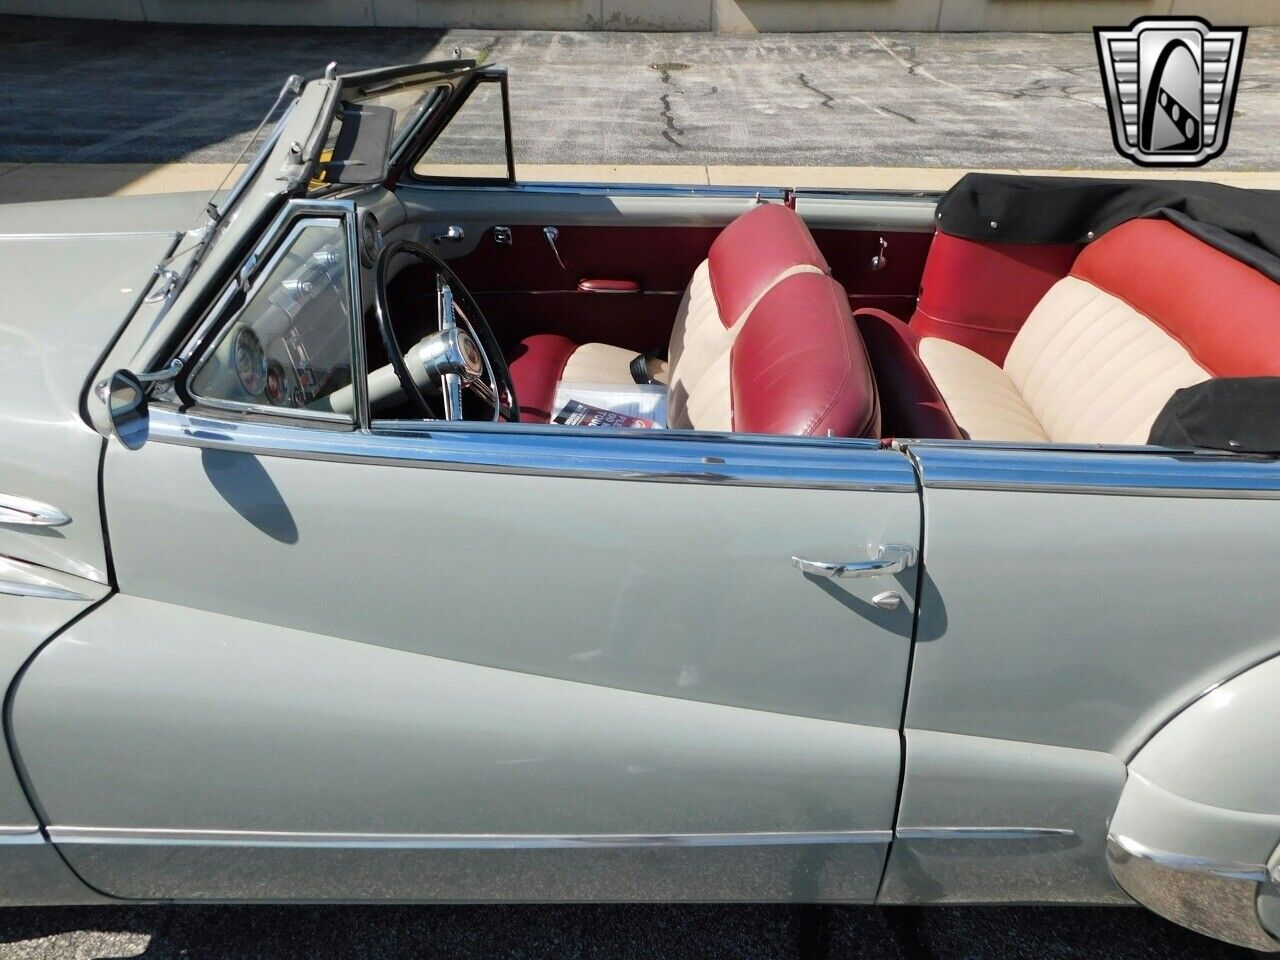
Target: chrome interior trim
point(899, 210)
point(595, 189)
point(1119, 471)
point(23, 511)
point(455, 841)
point(1212, 897)
point(21, 579)
point(980, 833)
point(666, 457)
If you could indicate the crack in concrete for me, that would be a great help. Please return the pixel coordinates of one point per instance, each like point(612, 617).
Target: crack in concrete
point(672, 130)
point(897, 113)
point(915, 68)
point(1040, 89)
point(827, 99)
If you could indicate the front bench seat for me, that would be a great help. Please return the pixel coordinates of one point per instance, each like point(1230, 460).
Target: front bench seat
point(1147, 310)
point(751, 255)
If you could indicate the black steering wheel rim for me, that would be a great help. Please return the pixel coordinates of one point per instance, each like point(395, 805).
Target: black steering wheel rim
point(489, 348)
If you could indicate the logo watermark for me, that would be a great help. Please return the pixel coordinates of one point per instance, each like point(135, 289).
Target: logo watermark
point(1171, 88)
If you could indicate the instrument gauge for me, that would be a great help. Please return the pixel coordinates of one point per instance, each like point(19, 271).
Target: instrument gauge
point(279, 392)
point(250, 361)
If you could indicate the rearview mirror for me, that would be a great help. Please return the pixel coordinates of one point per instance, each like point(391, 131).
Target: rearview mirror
point(126, 400)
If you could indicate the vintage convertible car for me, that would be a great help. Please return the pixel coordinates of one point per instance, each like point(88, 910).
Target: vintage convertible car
point(403, 532)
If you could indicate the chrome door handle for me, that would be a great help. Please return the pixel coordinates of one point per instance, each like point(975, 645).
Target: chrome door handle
point(552, 235)
point(450, 234)
point(892, 558)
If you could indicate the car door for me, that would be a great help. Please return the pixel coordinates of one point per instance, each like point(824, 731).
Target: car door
point(1073, 600)
point(473, 661)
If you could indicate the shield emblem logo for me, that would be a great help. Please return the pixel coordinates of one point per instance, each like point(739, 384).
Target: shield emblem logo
point(1171, 88)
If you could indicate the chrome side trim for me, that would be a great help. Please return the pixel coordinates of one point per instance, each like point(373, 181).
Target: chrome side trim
point(101, 235)
point(1212, 897)
point(1253, 872)
point(666, 456)
point(15, 588)
point(19, 579)
point(1124, 471)
point(23, 511)
point(20, 836)
point(497, 841)
point(980, 833)
point(450, 841)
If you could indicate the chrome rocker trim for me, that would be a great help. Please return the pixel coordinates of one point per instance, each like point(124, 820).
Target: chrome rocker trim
point(447, 841)
point(981, 833)
point(1212, 897)
point(141, 836)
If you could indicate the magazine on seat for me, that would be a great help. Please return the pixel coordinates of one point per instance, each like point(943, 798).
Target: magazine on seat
point(642, 406)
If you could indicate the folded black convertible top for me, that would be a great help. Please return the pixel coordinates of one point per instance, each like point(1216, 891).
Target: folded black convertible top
point(1244, 224)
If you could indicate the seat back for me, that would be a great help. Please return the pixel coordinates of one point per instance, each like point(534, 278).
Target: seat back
point(752, 254)
point(978, 293)
point(1146, 310)
point(799, 366)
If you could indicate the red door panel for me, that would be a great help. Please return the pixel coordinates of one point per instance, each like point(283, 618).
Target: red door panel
point(892, 288)
point(524, 289)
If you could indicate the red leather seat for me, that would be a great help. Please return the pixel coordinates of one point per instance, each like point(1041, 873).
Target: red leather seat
point(1146, 309)
point(763, 342)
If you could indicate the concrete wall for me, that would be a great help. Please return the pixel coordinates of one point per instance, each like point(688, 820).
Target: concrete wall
point(727, 16)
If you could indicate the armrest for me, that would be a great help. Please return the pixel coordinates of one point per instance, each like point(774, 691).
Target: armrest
point(608, 286)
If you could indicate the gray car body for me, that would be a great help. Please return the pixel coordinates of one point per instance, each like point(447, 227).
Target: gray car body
point(463, 662)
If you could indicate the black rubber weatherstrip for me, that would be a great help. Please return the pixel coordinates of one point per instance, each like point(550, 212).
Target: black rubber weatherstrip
point(906, 689)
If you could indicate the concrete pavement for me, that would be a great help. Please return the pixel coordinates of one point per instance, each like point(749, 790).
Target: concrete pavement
point(99, 92)
point(24, 182)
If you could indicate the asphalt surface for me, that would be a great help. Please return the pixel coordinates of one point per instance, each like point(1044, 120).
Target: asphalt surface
point(570, 933)
point(89, 91)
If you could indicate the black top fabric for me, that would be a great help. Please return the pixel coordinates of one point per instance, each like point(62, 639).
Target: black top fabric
point(1240, 414)
point(1244, 224)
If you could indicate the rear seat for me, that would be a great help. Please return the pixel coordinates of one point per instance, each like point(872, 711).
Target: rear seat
point(1146, 310)
point(798, 366)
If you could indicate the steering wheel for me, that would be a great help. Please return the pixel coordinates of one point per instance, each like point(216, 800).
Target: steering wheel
point(463, 352)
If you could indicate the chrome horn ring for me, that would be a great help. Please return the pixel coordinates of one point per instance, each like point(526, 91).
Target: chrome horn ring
point(456, 355)
point(463, 353)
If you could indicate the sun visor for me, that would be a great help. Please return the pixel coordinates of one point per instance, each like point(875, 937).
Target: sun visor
point(362, 150)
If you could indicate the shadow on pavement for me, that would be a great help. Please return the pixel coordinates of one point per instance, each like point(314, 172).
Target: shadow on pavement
point(639, 931)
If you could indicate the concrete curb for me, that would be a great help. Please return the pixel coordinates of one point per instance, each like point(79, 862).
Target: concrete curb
point(23, 182)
